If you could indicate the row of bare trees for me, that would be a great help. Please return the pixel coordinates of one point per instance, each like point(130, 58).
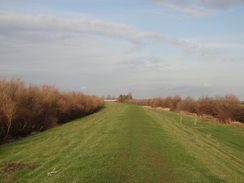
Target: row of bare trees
point(123, 98)
point(226, 108)
point(26, 109)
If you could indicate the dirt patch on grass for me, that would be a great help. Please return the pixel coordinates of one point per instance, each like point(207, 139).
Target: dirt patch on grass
point(10, 167)
point(8, 172)
point(198, 127)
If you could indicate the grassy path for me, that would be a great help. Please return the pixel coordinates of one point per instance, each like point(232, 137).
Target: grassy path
point(125, 143)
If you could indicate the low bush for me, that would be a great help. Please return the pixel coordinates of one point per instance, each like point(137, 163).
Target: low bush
point(226, 108)
point(26, 109)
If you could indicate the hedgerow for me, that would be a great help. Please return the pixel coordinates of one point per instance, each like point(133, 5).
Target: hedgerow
point(225, 108)
point(27, 109)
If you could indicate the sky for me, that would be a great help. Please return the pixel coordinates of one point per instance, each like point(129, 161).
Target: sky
point(151, 48)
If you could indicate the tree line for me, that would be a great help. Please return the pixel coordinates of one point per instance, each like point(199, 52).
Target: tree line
point(225, 108)
point(124, 98)
point(27, 109)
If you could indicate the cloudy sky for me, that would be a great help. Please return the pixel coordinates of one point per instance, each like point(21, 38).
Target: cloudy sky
point(152, 48)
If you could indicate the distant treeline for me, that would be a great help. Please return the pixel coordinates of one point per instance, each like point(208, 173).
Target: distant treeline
point(226, 108)
point(27, 109)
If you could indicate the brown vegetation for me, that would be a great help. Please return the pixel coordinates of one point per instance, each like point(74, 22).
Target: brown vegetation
point(226, 109)
point(123, 98)
point(24, 110)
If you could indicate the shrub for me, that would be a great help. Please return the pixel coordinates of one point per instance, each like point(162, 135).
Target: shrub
point(239, 114)
point(174, 102)
point(24, 110)
point(206, 105)
point(188, 104)
point(226, 107)
point(156, 102)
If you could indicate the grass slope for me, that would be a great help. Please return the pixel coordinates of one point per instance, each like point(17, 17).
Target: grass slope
point(126, 143)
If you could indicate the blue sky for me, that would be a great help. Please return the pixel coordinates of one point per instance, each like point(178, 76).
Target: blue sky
point(152, 48)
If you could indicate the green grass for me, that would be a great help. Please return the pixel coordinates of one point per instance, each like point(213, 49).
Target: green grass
point(126, 143)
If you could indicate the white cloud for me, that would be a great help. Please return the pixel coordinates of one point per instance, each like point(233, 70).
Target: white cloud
point(38, 29)
point(17, 22)
point(134, 48)
point(51, 27)
point(221, 4)
point(214, 4)
point(193, 11)
point(224, 45)
point(156, 60)
point(82, 87)
point(198, 8)
point(77, 52)
point(144, 61)
point(207, 85)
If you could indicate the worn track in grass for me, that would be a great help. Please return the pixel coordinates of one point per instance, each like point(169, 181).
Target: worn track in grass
point(126, 143)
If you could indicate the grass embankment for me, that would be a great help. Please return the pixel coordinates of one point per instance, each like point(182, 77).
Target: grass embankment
point(125, 143)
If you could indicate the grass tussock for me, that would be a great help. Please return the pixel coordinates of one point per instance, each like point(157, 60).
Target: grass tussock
point(27, 109)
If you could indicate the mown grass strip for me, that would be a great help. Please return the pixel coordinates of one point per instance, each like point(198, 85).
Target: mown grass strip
point(126, 143)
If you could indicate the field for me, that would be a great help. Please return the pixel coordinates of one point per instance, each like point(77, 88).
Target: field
point(127, 143)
